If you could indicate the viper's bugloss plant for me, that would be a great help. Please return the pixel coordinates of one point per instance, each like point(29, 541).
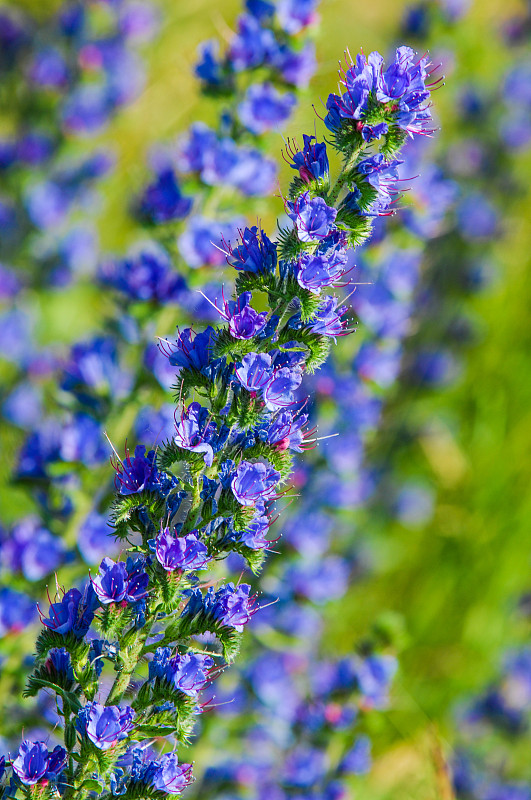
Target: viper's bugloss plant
point(208, 491)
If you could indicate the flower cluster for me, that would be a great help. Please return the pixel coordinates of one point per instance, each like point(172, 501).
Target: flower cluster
point(207, 492)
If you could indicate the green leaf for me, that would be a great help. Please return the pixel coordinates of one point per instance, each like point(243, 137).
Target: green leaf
point(92, 785)
point(155, 730)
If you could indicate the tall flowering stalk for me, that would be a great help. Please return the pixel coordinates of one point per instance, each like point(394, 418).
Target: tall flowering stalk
point(96, 382)
point(209, 490)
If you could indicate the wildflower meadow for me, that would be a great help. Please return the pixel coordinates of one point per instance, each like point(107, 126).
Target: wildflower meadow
point(264, 400)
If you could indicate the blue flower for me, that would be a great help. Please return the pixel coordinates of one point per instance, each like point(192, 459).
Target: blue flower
point(193, 349)
point(305, 767)
point(381, 175)
point(94, 364)
point(405, 80)
point(17, 611)
point(256, 253)
point(140, 474)
point(244, 321)
point(254, 534)
point(370, 132)
point(49, 69)
point(81, 439)
point(118, 582)
point(254, 482)
point(170, 776)
point(476, 217)
point(188, 673)
point(162, 200)
point(209, 68)
point(204, 241)
point(87, 108)
point(294, 15)
point(324, 580)
point(279, 391)
point(357, 760)
point(154, 426)
point(295, 66)
point(327, 320)
point(32, 549)
point(223, 162)
point(146, 275)
point(252, 45)
point(105, 725)
point(195, 432)
point(233, 606)
point(254, 372)
point(312, 217)
point(316, 271)
point(95, 538)
point(228, 606)
point(373, 676)
point(35, 762)
point(184, 553)
point(74, 612)
point(59, 663)
point(286, 431)
point(312, 160)
point(264, 107)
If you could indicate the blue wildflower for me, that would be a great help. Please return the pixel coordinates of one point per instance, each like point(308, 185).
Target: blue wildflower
point(264, 107)
point(327, 320)
point(162, 200)
point(202, 243)
point(312, 217)
point(286, 431)
point(279, 391)
point(253, 483)
point(74, 612)
point(170, 776)
point(94, 364)
point(187, 673)
point(146, 275)
point(305, 766)
point(223, 162)
point(316, 271)
point(254, 372)
point(256, 253)
point(118, 582)
point(357, 760)
point(35, 762)
point(17, 611)
point(105, 725)
point(295, 66)
point(252, 45)
point(209, 68)
point(244, 321)
point(192, 350)
point(312, 161)
point(195, 432)
point(294, 15)
point(140, 474)
point(180, 553)
point(48, 68)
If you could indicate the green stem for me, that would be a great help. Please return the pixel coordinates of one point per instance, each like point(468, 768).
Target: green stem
point(131, 657)
point(343, 177)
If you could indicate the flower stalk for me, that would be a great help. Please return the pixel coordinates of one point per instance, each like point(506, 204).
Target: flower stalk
point(209, 490)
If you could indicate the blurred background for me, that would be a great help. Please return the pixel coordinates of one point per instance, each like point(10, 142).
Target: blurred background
point(441, 545)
